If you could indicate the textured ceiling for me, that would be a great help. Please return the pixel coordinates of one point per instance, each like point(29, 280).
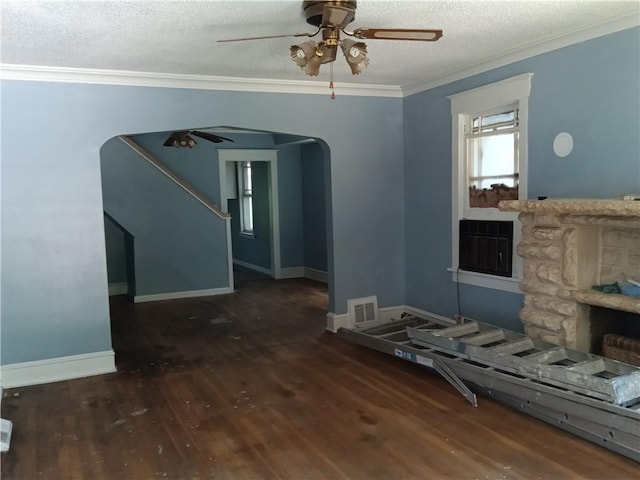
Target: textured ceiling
point(179, 37)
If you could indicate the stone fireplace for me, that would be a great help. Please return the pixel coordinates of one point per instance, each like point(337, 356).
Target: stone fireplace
point(567, 247)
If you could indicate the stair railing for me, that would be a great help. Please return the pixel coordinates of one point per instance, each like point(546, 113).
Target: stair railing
point(175, 178)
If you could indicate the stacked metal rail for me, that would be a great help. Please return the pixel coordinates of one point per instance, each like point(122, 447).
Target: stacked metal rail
point(595, 398)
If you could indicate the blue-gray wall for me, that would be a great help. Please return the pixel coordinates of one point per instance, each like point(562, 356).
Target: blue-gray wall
point(590, 90)
point(54, 278)
point(314, 171)
point(116, 253)
point(292, 248)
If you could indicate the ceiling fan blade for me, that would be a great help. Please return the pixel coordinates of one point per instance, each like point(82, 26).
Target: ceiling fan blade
point(286, 35)
point(397, 34)
point(337, 17)
point(210, 136)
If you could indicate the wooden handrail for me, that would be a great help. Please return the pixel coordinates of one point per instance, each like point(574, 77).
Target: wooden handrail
point(177, 180)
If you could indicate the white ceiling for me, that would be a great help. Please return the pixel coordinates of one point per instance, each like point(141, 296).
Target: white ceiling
point(179, 37)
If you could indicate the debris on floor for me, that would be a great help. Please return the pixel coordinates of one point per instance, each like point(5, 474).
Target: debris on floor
point(5, 434)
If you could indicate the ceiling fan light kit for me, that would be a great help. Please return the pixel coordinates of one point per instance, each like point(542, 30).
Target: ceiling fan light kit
point(180, 139)
point(331, 17)
point(356, 55)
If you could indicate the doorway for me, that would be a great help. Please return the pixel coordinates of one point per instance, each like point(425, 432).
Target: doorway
point(256, 249)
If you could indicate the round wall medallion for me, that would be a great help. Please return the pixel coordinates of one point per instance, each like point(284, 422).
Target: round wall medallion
point(563, 144)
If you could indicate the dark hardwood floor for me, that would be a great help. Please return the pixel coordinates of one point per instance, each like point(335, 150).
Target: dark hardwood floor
point(250, 385)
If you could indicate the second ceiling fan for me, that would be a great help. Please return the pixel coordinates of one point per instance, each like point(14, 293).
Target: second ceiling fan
point(184, 138)
point(331, 18)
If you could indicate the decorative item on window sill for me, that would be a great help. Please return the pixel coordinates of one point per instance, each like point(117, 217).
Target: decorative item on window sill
point(490, 197)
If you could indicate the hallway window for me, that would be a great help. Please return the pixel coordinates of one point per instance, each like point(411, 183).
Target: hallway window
point(245, 188)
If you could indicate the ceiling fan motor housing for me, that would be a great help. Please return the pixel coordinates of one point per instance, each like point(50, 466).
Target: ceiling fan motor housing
point(313, 9)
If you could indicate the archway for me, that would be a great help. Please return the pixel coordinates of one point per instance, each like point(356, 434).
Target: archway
point(300, 240)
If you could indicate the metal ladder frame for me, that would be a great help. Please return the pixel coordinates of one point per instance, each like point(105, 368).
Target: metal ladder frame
point(612, 426)
point(585, 373)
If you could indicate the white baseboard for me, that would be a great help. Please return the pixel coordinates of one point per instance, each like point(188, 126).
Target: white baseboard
point(304, 272)
point(317, 275)
point(121, 288)
point(57, 369)
point(188, 294)
point(292, 272)
point(251, 266)
point(337, 320)
point(386, 314)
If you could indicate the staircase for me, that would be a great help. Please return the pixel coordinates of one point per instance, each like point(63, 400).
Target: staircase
point(181, 241)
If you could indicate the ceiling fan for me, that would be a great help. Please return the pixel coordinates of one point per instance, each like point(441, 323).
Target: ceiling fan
point(332, 17)
point(184, 139)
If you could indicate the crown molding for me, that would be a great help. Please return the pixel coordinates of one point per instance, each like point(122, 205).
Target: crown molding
point(206, 82)
point(548, 45)
point(200, 82)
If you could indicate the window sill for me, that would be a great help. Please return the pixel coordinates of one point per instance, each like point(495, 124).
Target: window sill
point(488, 213)
point(507, 284)
point(247, 235)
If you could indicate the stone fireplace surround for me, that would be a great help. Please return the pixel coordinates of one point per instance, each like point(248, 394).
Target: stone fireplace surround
point(567, 247)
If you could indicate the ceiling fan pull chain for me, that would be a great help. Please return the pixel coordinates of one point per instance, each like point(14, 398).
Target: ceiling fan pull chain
point(333, 93)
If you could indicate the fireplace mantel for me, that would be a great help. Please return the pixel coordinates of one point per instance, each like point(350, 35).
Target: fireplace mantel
point(568, 246)
point(569, 206)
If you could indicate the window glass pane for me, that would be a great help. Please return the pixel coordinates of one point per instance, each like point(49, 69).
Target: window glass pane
point(247, 215)
point(493, 157)
point(246, 178)
point(497, 121)
point(498, 118)
point(493, 169)
point(246, 204)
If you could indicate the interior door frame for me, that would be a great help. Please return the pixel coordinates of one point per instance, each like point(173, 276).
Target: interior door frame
point(234, 155)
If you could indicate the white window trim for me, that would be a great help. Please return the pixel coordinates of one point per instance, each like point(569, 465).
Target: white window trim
point(514, 90)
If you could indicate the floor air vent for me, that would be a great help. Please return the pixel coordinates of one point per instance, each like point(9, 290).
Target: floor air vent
point(363, 311)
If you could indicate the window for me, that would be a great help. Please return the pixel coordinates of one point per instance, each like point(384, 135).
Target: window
point(245, 189)
point(489, 155)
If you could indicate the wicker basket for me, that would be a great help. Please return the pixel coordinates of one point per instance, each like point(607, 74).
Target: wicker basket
point(623, 349)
